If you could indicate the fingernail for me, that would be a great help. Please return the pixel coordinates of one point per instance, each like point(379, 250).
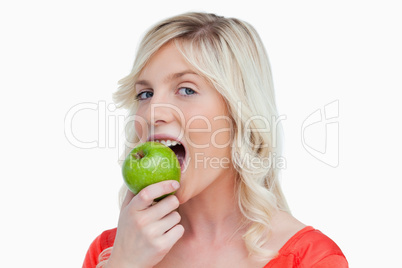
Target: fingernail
point(175, 185)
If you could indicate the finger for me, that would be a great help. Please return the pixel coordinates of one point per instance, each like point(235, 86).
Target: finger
point(147, 195)
point(164, 207)
point(169, 221)
point(172, 236)
point(157, 229)
point(127, 198)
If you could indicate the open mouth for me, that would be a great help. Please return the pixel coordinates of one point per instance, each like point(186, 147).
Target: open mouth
point(177, 148)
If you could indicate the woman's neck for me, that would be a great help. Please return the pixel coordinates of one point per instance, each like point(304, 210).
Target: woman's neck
point(213, 214)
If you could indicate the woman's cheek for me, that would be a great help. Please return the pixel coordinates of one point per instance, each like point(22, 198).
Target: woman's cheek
point(141, 128)
point(221, 138)
point(199, 132)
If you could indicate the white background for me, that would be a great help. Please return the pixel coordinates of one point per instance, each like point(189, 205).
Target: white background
point(56, 198)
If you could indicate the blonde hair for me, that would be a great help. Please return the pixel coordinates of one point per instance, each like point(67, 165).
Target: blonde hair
point(228, 53)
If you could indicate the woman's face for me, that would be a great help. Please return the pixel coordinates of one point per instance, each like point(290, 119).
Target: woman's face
point(179, 105)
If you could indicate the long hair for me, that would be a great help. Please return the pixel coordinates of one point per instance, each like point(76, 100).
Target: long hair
point(228, 53)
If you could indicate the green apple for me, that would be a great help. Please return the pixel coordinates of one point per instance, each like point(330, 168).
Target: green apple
point(149, 163)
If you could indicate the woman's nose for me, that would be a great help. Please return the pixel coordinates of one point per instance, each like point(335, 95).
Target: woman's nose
point(160, 114)
point(162, 110)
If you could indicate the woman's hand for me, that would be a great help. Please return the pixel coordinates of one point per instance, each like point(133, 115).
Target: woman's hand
point(146, 233)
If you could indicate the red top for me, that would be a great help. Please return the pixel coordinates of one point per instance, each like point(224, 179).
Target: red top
point(308, 248)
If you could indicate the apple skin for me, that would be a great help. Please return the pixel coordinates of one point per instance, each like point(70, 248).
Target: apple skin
point(149, 163)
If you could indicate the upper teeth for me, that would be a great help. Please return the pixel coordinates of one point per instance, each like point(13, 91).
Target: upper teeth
point(168, 142)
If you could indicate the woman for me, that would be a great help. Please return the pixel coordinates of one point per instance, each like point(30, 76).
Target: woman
point(203, 82)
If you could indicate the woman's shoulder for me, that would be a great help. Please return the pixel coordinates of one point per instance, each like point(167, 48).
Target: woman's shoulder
point(310, 239)
point(103, 241)
point(106, 238)
point(309, 247)
point(303, 246)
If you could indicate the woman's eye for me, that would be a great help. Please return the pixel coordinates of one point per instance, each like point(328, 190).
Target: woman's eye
point(144, 95)
point(185, 91)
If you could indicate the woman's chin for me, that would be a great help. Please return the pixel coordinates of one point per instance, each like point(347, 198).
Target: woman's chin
point(181, 196)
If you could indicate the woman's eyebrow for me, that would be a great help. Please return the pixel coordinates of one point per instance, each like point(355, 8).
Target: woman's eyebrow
point(178, 75)
point(142, 82)
point(167, 79)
